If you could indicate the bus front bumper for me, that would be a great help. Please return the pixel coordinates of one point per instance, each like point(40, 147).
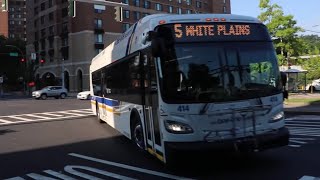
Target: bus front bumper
point(276, 138)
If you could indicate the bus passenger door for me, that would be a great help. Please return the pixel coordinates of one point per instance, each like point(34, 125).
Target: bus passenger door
point(153, 132)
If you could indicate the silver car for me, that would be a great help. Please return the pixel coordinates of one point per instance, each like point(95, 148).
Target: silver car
point(51, 91)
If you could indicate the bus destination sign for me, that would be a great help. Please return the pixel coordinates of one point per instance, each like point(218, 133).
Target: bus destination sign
point(219, 32)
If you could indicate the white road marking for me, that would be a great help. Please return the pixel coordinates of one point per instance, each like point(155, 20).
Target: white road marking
point(299, 142)
point(310, 139)
point(5, 121)
point(294, 145)
point(36, 116)
point(20, 118)
point(146, 171)
point(309, 178)
point(58, 175)
point(71, 170)
point(42, 117)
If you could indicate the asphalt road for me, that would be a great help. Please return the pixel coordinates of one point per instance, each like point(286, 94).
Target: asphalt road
point(72, 144)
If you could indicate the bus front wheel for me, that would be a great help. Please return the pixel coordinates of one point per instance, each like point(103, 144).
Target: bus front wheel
point(137, 134)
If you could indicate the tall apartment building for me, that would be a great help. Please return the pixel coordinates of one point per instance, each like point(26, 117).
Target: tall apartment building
point(4, 30)
point(64, 46)
point(13, 21)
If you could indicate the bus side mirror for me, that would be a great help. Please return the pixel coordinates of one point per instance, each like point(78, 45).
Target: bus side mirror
point(158, 47)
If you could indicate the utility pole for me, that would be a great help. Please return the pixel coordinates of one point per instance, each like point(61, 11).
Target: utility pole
point(62, 73)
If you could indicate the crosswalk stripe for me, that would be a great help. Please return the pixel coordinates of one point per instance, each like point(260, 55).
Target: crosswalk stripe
point(36, 116)
point(5, 121)
point(300, 142)
point(20, 118)
point(50, 114)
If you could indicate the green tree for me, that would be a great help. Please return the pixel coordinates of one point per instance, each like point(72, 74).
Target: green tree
point(282, 28)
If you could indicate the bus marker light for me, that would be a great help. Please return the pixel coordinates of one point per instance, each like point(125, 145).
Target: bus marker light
point(162, 22)
point(223, 19)
point(208, 19)
point(216, 19)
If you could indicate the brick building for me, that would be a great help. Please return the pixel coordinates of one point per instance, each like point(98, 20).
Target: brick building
point(68, 44)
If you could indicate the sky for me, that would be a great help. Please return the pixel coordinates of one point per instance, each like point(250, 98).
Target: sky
point(305, 12)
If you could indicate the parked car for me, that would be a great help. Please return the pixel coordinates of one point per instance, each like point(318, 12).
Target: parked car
point(84, 95)
point(314, 86)
point(51, 91)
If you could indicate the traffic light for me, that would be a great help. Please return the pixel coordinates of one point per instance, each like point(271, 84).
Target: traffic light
point(42, 61)
point(118, 14)
point(22, 60)
point(72, 8)
point(4, 5)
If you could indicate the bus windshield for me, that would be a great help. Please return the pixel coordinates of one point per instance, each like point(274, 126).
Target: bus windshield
point(205, 72)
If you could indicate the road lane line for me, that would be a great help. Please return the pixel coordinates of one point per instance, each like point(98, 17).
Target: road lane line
point(78, 111)
point(146, 171)
point(73, 114)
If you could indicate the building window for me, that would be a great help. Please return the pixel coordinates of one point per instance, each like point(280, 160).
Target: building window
point(188, 11)
point(136, 3)
point(43, 32)
point(43, 6)
point(125, 26)
point(224, 9)
point(11, 9)
point(99, 8)
point(51, 43)
point(158, 7)
point(98, 23)
point(50, 3)
point(170, 9)
point(189, 2)
point(35, 23)
point(11, 35)
point(99, 38)
point(198, 4)
point(179, 1)
point(125, 1)
point(64, 42)
point(126, 14)
point(179, 11)
point(64, 12)
point(146, 4)
point(36, 10)
point(42, 19)
point(51, 30)
point(136, 15)
point(224, 1)
point(51, 16)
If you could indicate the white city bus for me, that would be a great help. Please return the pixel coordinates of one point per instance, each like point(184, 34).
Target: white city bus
point(191, 82)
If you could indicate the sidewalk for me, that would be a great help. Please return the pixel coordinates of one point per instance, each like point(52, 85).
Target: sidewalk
point(303, 108)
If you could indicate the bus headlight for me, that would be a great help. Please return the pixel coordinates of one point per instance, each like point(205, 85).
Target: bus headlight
point(277, 117)
point(177, 127)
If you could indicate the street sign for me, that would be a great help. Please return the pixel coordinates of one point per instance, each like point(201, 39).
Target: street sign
point(15, 54)
point(33, 56)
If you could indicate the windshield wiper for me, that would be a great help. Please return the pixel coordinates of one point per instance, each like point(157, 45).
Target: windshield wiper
point(204, 109)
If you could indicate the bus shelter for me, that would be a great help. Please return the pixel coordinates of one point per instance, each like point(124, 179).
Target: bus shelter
point(297, 78)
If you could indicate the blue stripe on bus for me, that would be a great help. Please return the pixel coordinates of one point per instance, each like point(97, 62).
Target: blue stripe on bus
point(105, 101)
